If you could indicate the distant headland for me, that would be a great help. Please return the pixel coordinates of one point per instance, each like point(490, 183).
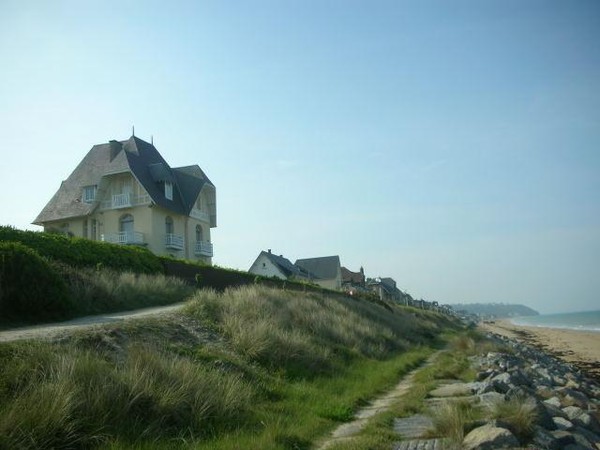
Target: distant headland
point(496, 310)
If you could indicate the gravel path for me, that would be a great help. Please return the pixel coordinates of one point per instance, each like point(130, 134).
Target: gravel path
point(49, 330)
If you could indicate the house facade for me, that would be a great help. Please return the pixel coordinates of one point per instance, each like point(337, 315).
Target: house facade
point(268, 264)
point(353, 282)
point(325, 271)
point(124, 192)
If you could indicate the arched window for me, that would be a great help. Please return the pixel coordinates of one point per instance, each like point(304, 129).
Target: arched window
point(126, 223)
point(169, 225)
point(198, 233)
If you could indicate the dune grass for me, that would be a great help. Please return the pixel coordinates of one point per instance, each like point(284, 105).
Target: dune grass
point(519, 413)
point(101, 290)
point(249, 368)
point(70, 398)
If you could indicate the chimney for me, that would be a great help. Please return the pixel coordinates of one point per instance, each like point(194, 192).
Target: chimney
point(269, 251)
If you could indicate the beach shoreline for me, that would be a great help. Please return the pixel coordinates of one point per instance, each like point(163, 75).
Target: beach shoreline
point(579, 348)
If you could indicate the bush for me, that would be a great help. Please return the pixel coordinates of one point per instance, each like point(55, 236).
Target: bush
point(84, 252)
point(30, 288)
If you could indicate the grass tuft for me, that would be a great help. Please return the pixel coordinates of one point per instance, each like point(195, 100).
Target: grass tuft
point(519, 413)
point(451, 417)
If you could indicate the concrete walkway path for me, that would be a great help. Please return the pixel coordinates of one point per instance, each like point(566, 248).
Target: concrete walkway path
point(48, 330)
point(347, 430)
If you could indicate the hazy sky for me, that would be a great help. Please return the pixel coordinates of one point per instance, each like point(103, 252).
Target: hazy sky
point(451, 145)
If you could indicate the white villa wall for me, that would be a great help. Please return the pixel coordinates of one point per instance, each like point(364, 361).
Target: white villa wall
point(148, 219)
point(264, 267)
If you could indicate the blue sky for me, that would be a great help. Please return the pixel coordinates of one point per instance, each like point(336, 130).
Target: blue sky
point(454, 146)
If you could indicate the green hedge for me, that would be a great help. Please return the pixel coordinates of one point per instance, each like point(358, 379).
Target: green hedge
point(30, 289)
point(84, 252)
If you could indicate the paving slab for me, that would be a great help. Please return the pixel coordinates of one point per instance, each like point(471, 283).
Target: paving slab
point(421, 444)
point(414, 426)
point(452, 390)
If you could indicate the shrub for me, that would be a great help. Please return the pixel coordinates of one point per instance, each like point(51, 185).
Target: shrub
point(84, 252)
point(30, 289)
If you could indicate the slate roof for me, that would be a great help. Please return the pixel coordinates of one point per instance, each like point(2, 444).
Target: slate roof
point(146, 164)
point(325, 267)
point(286, 266)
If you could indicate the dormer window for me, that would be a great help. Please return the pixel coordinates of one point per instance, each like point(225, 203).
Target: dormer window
point(169, 190)
point(89, 194)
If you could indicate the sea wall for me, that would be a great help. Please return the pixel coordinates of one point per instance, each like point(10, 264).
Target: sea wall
point(566, 402)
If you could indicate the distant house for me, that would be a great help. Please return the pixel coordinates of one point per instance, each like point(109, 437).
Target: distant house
point(124, 192)
point(353, 281)
point(268, 264)
point(386, 289)
point(327, 271)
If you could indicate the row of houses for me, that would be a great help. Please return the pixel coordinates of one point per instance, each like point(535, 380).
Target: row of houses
point(328, 273)
point(125, 192)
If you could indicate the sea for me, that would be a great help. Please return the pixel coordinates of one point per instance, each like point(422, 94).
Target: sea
point(584, 321)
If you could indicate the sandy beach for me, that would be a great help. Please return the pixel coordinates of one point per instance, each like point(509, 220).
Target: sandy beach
point(580, 348)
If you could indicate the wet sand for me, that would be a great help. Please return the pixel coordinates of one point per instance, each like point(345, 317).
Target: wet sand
point(580, 348)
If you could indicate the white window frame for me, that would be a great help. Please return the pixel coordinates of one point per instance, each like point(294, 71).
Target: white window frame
point(89, 193)
point(169, 190)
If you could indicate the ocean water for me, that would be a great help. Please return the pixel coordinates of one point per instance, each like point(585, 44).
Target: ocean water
point(586, 320)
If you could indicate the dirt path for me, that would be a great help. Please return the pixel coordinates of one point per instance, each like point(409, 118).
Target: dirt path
point(347, 430)
point(52, 329)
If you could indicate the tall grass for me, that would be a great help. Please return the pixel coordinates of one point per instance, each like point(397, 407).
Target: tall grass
point(451, 418)
point(77, 399)
point(306, 334)
point(519, 413)
point(249, 368)
point(104, 290)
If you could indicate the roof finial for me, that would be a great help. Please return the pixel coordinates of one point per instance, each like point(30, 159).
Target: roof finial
point(152, 139)
point(133, 130)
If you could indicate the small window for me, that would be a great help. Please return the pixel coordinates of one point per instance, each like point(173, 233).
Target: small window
point(89, 194)
point(169, 190)
point(169, 225)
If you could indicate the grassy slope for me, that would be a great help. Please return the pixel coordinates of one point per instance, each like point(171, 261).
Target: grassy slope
point(250, 368)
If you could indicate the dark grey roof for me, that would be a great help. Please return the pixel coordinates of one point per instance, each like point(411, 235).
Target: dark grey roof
point(133, 155)
point(285, 265)
point(325, 268)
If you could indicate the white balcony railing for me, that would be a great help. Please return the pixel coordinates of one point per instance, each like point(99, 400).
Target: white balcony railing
point(173, 241)
point(124, 237)
point(121, 200)
point(199, 214)
point(117, 201)
point(203, 249)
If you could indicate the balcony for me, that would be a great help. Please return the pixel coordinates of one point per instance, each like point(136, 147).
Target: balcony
point(199, 214)
point(118, 201)
point(124, 237)
point(203, 249)
point(173, 241)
